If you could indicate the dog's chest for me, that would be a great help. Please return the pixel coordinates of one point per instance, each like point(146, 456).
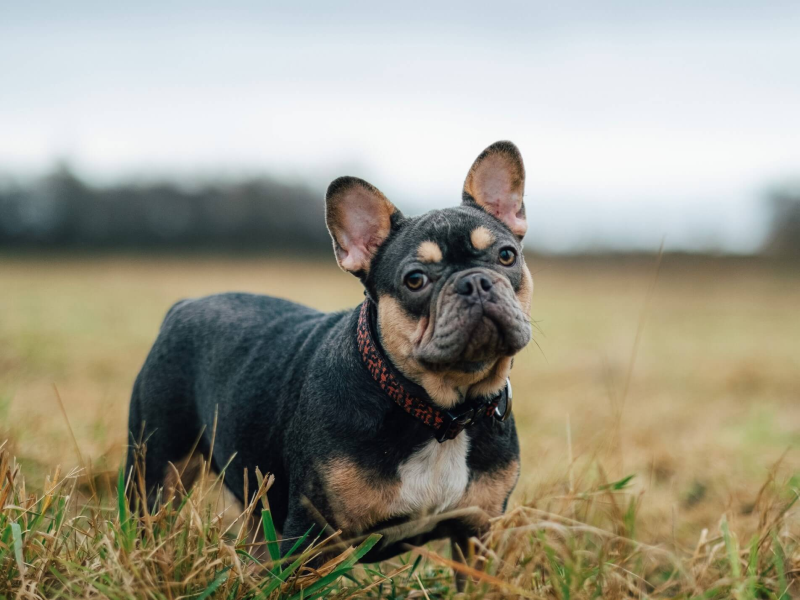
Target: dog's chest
point(433, 479)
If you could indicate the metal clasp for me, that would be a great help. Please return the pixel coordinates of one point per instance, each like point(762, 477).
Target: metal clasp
point(506, 411)
point(457, 422)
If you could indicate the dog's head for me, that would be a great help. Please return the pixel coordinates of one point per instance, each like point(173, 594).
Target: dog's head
point(452, 289)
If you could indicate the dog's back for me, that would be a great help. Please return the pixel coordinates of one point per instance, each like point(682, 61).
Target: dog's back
point(235, 356)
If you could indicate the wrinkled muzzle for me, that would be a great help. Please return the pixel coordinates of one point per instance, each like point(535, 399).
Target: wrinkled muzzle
point(476, 318)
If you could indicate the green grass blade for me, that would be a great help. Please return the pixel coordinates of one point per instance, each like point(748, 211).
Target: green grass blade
point(281, 577)
point(779, 559)
point(732, 548)
point(344, 567)
point(415, 565)
point(300, 541)
point(126, 524)
point(271, 536)
point(309, 592)
point(248, 556)
point(361, 550)
point(618, 485)
point(16, 533)
point(122, 505)
point(218, 581)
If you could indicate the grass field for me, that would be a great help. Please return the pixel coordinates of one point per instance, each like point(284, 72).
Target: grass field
point(689, 382)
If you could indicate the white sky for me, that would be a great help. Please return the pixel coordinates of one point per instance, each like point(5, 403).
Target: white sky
point(636, 120)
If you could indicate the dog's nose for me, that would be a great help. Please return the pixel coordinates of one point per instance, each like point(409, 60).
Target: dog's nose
point(473, 284)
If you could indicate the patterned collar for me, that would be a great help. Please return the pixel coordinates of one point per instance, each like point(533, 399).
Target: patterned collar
point(447, 424)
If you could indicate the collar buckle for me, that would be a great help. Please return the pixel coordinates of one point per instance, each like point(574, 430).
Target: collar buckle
point(457, 421)
point(471, 412)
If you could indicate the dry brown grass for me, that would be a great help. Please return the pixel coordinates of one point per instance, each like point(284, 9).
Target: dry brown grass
point(59, 543)
point(712, 402)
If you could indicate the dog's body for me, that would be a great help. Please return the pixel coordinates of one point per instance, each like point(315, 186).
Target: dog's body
point(296, 393)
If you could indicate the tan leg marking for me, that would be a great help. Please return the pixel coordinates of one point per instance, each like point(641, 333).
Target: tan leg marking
point(358, 498)
point(490, 490)
point(481, 238)
point(429, 252)
point(188, 468)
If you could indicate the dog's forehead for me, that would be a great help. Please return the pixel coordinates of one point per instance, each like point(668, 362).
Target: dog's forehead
point(449, 228)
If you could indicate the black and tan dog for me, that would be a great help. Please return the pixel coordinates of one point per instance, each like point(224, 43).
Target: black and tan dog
point(393, 416)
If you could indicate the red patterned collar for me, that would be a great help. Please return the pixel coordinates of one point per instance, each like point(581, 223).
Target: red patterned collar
point(411, 398)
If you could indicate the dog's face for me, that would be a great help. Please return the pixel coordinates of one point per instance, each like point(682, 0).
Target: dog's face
point(452, 288)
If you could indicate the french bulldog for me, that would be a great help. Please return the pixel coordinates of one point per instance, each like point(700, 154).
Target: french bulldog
point(394, 416)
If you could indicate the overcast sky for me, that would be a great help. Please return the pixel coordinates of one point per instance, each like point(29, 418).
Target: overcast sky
point(636, 120)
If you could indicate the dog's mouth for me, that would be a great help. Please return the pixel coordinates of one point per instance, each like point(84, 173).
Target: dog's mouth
point(469, 333)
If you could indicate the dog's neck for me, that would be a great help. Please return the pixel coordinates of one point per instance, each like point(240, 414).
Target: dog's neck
point(446, 422)
point(448, 388)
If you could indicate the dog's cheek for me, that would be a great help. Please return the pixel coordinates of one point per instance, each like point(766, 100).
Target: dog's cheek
point(359, 499)
point(398, 329)
point(495, 381)
point(525, 291)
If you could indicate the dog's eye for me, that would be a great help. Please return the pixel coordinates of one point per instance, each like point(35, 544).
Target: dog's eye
point(507, 257)
point(416, 280)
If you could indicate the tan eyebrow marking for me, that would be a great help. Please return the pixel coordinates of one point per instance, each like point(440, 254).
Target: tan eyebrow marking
point(429, 252)
point(481, 238)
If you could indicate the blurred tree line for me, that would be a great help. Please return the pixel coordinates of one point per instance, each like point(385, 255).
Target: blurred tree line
point(784, 236)
point(62, 211)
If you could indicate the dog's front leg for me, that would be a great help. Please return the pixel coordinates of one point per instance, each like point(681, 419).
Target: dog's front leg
point(303, 518)
point(298, 523)
point(459, 550)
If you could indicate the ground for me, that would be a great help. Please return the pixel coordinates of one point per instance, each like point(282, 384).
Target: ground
point(687, 378)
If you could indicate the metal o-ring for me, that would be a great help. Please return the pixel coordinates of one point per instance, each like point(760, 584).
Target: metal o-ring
point(509, 395)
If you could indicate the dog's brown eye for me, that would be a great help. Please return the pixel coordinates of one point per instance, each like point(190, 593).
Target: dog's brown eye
point(415, 280)
point(507, 257)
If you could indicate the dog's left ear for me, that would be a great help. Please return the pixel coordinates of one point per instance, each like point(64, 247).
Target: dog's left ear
point(496, 183)
point(359, 219)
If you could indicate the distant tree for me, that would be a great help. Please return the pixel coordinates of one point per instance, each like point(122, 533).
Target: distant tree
point(784, 234)
point(62, 211)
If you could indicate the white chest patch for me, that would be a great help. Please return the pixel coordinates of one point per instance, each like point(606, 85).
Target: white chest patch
point(434, 478)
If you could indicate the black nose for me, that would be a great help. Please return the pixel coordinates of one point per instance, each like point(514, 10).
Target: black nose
point(473, 284)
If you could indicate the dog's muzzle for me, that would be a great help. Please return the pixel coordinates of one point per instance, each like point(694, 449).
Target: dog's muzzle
point(476, 318)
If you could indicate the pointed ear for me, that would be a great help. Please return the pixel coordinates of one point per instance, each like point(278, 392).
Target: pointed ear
point(496, 183)
point(358, 216)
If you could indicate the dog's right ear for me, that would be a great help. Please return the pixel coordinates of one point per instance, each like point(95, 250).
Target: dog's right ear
point(496, 183)
point(359, 219)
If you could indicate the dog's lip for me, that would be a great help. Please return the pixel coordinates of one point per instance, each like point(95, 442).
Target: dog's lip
point(458, 363)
